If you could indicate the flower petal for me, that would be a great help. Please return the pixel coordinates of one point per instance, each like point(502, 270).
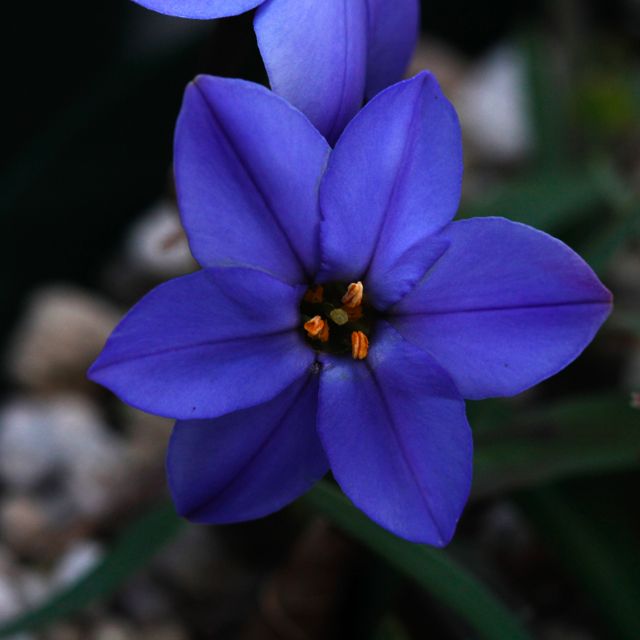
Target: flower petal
point(315, 53)
point(206, 344)
point(392, 36)
point(249, 463)
point(247, 171)
point(393, 179)
point(505, 307)
point(202, 9)
point(397, 439)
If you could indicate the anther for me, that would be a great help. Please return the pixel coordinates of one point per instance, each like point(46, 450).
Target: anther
point(353, 297)
point(317, 328)
point(315, 294)
point(359, 345)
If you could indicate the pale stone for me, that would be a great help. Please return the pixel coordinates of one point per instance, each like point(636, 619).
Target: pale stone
point(61, 333)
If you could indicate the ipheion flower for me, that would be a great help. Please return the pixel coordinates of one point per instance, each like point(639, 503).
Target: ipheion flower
point(340, 317)
point(324, 56)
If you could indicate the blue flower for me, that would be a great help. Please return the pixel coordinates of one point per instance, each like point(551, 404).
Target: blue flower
point(324, 56)
point(340, 317)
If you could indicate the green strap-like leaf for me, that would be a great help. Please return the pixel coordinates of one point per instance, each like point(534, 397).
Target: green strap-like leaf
point(569, 438)
point(601, 554)
point(432, 569)
point(136, 545)
point(550, 201)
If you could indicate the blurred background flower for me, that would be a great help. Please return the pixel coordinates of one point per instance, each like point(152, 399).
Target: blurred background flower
point(549, 98)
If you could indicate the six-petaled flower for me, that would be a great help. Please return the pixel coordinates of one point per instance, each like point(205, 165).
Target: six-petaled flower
point(340, 317)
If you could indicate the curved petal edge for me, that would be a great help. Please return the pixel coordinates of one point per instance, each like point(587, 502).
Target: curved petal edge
point(504, 308)
point(397, 438)
point(204, 345)
point(200, 9)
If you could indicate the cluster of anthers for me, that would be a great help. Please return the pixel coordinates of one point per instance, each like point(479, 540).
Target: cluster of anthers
point(335, 319)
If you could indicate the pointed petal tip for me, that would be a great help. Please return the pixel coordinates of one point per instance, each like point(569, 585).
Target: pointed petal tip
point(236, 205)
point(397, 438)
point(507, 307)
point(400, 156)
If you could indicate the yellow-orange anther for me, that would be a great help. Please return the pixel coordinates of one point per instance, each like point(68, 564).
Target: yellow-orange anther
point(317, 328)
point(353, 297)
point(315, 294)
point(359, 345)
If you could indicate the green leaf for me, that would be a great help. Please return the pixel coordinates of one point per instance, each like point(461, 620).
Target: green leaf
point(133, 549)
point(549, 102)
point(616, 234)
point(433, 569)
point(604, 560)
point(581, 436)
point(551, 201)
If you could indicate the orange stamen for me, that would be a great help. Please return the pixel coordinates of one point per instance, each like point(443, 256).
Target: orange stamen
point(317, 328)
point(354, 314)
point(359, 345)
point(353, 297)
point(315, 294)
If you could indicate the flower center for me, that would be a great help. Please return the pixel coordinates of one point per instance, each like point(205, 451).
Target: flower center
point(336, 319)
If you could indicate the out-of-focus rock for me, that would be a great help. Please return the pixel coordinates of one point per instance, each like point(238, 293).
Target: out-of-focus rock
point(164, 631)
point(64, 472)
point(114, 630)
point(34, 587)
point(37, 527)
point(144, 600)
point(157, 245)
point(78, 559)
point(448, 66)
point(64, 437)
point(65, 631)
point(155, 249)
point(59, 336)
point(93, 458)
point(10, 604)
point(24, 523)
point(493, 103)
point(28, 450)
point(13, 599)
point(147, 437)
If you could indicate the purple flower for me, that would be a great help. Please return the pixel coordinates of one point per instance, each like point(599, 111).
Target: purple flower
point(324, 56)
point(273, 379)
